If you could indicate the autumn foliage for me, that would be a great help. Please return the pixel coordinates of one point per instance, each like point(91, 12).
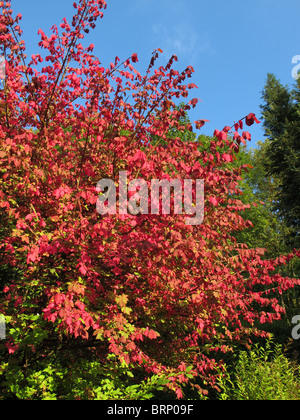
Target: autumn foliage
point(162, 296)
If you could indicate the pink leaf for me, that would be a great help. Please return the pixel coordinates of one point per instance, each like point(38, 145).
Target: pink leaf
point(227, 158)
point(213, 201)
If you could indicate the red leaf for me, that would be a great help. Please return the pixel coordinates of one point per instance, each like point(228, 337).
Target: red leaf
point(152, 334)
point(80, 305)
point(134, 58)
point(213, 201)
point(12, 348)
point(221, 135)
point(32, 256)
point(126, 358)
point(194, 102)
point(251, 118)
point(227, 158)
point(246, 135)
point(131, 346)
point(200, 123)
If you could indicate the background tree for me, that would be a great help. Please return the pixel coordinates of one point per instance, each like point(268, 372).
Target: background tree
point(281, 120)
point(268, 230)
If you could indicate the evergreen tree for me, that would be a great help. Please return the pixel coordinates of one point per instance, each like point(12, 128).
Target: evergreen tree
point(281, 120)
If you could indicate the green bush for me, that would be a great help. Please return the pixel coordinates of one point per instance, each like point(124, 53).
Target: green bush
point(86, 379)
point(261, 374)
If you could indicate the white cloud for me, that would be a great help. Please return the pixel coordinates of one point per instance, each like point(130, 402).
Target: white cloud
point(182, 40)
point(173, 28)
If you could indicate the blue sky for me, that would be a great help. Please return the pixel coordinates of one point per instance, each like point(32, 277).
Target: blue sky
point(231, 44)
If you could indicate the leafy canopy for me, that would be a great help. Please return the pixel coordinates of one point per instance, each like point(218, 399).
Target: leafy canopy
point(150, 292)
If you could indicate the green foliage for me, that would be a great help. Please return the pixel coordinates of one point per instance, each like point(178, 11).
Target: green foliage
point(268, 231)
point(48, 367)
point(55, 378)
point(263, 373)
point(281, 115)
